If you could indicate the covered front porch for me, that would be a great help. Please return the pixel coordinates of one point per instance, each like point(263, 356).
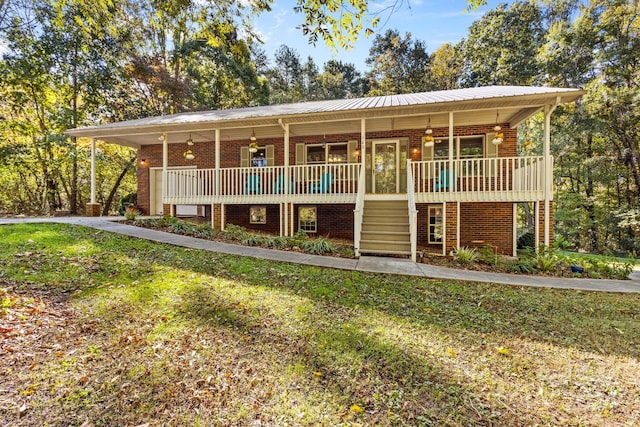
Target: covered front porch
point(509, 179)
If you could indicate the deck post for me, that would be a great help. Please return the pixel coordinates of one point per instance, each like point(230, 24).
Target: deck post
point(165, 167)
point(287, 179)
point(452, 183)
point(548, 171)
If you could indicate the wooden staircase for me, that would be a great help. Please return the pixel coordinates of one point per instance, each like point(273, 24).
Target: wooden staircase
point(385, 228)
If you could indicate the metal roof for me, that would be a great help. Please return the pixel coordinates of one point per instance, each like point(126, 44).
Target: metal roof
point(525, 98)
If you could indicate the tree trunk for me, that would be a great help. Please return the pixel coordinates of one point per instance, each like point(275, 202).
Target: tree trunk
point(116, 185)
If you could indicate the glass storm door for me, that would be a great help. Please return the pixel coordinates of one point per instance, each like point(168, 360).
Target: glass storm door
point(385, 167)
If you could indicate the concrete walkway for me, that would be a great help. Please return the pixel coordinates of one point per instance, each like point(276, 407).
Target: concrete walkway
point(365, 263)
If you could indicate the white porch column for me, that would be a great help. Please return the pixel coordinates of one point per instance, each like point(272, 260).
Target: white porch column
point(93, 170)
point(217, 161)
point(165, 166)
point(284, 228)
point(363, 143)
point(452, 184)
point(216, 175)
point(548, 172)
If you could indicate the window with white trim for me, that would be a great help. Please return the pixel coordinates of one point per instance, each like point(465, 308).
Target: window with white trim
point(327, 153)
point(257, 215)
point(308, 219)
point(436, 228)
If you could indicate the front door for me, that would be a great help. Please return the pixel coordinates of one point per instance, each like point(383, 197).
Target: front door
point(385, 167)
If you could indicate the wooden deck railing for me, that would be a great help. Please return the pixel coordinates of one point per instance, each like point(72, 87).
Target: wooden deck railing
point(480, 179)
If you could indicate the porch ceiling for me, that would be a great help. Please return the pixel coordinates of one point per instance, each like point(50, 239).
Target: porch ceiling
point(469, 106)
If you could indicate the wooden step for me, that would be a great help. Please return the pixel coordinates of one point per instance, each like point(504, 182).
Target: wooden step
point(387, 236)
point(384, 218)
point(383, 245)
point(386, 226)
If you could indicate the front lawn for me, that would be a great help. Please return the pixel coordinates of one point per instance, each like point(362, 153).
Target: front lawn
point(100, 329)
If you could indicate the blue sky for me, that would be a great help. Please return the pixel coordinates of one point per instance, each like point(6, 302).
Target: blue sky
point(434, 22)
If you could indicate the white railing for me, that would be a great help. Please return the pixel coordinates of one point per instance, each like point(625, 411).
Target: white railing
point(413, 212)
point(358, 212)
point(480, 179)
point(185, 184)
point(332, 183)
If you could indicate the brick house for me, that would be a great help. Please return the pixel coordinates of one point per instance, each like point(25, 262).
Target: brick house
point(396, 174)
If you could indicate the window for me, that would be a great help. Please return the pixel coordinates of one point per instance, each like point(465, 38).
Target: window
point(259, 158)
point(435, 224)
point(307, 219)
point(326, 153)
point(471, 147)
point(258, 215)
point(466, 147)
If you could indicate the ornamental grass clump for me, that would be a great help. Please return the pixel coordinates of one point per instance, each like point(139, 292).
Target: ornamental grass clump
point(130, 213)
point(466, 255)
point(318, 246)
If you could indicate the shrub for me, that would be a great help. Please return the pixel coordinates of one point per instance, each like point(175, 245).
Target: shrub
point(466, 255)
point(204, 231)
point(182, 227)
point(249, 239)
point(234, 232)
point(131, 213)
point(527, 240)
point(127, 201)
point(546, 260)
point(318, 246)
point(276, 242)
point(298, 239)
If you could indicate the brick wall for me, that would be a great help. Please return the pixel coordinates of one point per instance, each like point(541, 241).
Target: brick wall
point(239, 215)
point(487, 224)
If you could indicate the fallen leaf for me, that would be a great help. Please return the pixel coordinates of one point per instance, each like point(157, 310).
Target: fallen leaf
point(356, 409)
point(502, 350)
point(452, 352)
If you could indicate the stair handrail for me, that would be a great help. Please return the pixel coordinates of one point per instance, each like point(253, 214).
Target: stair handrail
point(413, 212)
point(358, 211)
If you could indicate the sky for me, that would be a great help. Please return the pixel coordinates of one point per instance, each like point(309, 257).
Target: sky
point(434, 22)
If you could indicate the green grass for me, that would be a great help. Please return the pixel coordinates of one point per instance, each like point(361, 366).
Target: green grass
point(156, 334)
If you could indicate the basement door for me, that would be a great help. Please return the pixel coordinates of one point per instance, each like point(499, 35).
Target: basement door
point(386, 161)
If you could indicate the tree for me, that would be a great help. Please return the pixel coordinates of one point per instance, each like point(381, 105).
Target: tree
point(445, 67)
point(285, 77)
point(502, 47)
point(399, 65)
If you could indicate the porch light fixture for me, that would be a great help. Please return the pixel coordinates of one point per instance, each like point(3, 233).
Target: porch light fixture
point(428, 139)
point(253, 143)
point(189, 140)
point(188, 155)
point(144, 163)
point(498, 136)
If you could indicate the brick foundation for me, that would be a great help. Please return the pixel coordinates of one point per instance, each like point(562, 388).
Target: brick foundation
point(93, 209)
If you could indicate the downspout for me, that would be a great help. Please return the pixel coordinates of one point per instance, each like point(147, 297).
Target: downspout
point(93, 171)
point(548, 168)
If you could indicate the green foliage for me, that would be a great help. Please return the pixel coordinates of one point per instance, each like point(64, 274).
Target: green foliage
point(527, 240)
point(204, 231)
point(547, 260)
point(275, 242)
point(466, 255)
point(298, 239)
point(234, 232)
point(250, 239)
point(318, 246)
point(131, 213)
